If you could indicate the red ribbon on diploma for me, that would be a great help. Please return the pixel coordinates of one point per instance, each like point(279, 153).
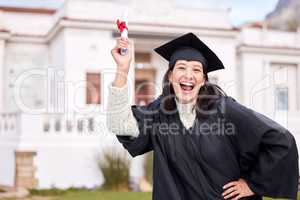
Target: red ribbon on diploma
point(121, 25)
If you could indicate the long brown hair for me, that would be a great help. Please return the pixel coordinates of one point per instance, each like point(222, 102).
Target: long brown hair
point(207, 96)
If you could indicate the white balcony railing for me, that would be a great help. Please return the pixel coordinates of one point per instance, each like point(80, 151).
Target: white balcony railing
point(9, 123)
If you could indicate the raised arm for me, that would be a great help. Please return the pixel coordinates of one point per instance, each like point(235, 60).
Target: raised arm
point(120, 119)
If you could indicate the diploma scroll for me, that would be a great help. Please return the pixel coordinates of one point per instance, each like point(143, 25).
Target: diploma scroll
point(123, 29)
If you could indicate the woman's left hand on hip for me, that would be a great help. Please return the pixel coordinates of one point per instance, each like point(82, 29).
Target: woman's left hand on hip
point(237, 189)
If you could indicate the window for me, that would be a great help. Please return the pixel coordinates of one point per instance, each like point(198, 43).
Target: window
point(285, 86)
point(144, 86)
point(282, 98)
point(142, 60)
point(93, 89)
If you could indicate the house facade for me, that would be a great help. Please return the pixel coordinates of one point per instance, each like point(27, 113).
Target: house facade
point(55, 67)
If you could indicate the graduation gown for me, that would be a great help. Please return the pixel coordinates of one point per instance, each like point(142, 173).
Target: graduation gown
point(233, 142)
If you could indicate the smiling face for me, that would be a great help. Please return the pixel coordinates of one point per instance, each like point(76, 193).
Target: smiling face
point(187, 77)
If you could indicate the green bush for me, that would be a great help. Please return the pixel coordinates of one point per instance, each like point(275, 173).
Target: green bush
point(115, 169)
point(47, 192)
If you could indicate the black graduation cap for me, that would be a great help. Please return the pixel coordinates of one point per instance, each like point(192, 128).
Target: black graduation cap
point(190, 47)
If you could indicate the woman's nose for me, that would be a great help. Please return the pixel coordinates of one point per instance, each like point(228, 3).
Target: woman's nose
point(188, 73)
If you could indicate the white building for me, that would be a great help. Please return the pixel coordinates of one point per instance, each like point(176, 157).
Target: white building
point(56, 65)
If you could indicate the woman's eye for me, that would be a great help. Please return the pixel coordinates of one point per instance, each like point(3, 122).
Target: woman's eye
point(197, 70)
point(180, 67)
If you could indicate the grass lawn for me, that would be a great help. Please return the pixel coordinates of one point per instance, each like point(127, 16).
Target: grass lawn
point(84, 194)
point(105, 195)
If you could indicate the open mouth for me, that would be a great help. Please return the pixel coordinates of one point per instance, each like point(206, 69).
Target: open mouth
point(187, 87)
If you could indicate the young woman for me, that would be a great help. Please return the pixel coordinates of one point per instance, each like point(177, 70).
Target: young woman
point(206, 145)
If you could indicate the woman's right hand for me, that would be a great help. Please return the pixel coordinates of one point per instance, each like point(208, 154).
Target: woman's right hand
point(122, 61)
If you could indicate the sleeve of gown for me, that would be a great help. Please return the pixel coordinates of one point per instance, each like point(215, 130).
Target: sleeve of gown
point(268, 155)
point(119, 118)
point(143, 142)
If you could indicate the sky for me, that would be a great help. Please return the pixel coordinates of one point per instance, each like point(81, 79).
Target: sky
point(241, 11)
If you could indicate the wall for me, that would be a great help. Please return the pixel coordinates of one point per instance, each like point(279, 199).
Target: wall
point(25, 65)
point(9, 138)
point(2, 70)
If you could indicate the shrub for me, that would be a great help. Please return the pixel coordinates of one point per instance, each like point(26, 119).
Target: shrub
point(115, 169)
point(47, 192)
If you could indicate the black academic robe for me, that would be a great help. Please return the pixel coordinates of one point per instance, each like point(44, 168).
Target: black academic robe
point(232, 142)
